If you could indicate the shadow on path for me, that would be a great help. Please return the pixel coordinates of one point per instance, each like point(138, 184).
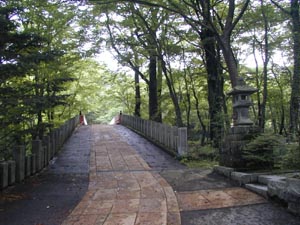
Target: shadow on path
point(47, 198)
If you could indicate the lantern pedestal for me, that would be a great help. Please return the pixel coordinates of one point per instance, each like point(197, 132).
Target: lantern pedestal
point(231, 150)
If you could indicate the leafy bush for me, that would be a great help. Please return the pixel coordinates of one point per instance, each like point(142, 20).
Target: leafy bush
point(291, 160)
point(203, 152)
point(259, 153)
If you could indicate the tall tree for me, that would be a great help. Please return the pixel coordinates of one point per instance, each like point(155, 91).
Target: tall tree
point(138, 102)
point(17, 48)
point(138, 41)
point(146, 32)
point(50, 74)
point(295, 94)
point(37, 51)
point(294, 13)
point(214, 31)
point(215, 16)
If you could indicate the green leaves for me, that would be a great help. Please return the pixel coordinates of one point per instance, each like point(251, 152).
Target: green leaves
point(38, 48)
point(259, 153)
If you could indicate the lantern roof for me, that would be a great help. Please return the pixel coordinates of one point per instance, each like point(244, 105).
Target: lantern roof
point(242, 87)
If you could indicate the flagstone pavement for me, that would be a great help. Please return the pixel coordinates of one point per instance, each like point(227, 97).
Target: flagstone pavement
point(109, 175)
point(124, 189)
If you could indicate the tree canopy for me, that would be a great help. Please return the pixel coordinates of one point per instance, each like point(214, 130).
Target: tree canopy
point(179, 60)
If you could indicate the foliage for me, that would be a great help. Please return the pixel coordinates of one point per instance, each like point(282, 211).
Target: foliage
point(37, 54)
point(46, 75)
point(291, 160)
point(200, 156)
point(99, 93)
point(16, 49)
point(259, 153)
point(198, 152)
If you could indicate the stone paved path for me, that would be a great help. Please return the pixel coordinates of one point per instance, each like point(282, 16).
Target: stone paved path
point(132, 182)
point(108, 175)
point(123, 189)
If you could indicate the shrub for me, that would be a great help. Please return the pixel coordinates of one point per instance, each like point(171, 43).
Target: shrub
point(200, 156)
point(206, 152)
point(291, 160)
point(259, 152)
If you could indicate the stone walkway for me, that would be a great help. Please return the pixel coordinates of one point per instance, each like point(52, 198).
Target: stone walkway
point(108, 175)
point(124, 190)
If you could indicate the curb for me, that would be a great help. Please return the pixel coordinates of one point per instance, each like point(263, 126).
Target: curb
point(287, 190)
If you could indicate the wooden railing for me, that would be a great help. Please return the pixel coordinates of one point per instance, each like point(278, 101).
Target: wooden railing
point(42, 152)
point(171, 138)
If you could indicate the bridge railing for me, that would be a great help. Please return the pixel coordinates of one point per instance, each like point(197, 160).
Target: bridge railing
point(42, 151)
point(171, 138)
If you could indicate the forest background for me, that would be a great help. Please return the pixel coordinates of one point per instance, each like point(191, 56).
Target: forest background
point(178, 59)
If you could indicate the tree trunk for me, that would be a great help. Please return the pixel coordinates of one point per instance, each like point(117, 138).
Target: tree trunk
point(262, 117)
point(159, 90)
point(257, 82)
point(137, 108)
point(295, 93)
point(197, 105)
point(225, 45)
point(153, 101)
point(188, 103)
point(273, 119)
point(173, 94)
point(214, 83)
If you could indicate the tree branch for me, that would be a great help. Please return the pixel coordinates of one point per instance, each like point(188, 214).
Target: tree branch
point(243, 10)
point(281, 8)
point(132, 65)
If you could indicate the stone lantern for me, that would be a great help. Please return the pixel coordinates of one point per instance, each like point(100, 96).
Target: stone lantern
point(241, 102)
point(236, 137)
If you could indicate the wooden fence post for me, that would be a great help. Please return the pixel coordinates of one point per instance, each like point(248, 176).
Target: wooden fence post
point(3, 175)
point(47, 145)
point(182, 141)
point(170, 137)
point(19, 156)
point(52, 143)
point(11, 172)
point(37, 150)
point(27, 166)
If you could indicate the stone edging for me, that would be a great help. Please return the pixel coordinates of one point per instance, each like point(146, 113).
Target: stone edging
point(287, 190)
